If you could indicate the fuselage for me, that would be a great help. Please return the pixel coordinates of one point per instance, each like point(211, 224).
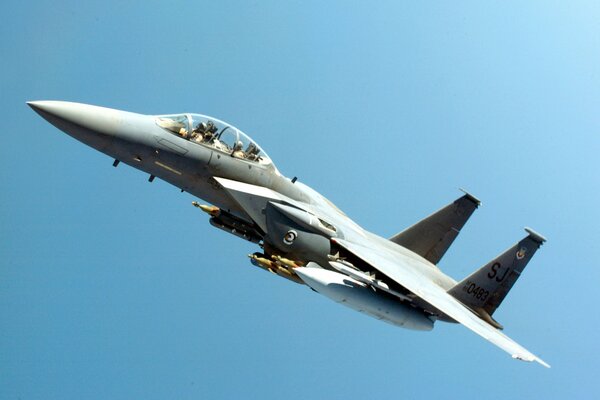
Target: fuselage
point(182, 150)
point(139, 141)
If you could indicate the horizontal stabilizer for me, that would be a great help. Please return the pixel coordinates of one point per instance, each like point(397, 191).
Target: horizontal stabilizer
point(485, 289)
point(431, 237)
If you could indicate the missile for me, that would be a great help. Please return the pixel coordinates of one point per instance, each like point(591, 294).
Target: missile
point(344, 268)
point(210, 210)
point(272, 266)
point(287, 262)
point(286, 273)
point(262, 262)
point(352, 272)
point(352, 293)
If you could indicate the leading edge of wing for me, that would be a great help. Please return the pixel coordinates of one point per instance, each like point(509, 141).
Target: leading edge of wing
point(400, 269)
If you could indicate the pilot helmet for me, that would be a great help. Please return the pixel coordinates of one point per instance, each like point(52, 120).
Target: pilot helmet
point(210, 126)
point(201, 127)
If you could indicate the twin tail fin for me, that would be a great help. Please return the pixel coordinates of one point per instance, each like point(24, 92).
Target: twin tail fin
point(484, 290)
point(432, 237)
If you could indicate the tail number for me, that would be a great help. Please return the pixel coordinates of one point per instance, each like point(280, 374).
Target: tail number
point(477, 292)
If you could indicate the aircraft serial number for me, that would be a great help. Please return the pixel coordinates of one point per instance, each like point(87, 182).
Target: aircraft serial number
point(477, 292)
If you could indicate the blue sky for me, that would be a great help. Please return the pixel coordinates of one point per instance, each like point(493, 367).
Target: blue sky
point(112, 287)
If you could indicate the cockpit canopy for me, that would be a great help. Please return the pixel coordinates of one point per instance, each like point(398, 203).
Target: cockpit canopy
point(211, 132)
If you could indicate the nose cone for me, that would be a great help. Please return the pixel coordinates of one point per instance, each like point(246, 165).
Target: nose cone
point(58, 108)
point(92, 125)
point(64, 114)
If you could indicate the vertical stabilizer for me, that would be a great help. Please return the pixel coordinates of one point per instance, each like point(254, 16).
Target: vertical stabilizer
point(431, 237)
point(485, 289)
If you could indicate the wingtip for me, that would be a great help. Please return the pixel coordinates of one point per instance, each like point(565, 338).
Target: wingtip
point(545, 364)
point(531, 359)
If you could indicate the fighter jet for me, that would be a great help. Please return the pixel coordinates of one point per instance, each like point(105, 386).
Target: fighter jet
point(302, 236)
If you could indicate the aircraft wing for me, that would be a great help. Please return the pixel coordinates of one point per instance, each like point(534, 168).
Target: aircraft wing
point(399, 268)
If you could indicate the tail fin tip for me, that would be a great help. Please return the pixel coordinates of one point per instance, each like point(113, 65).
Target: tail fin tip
point(535, 236)
point(471, 197)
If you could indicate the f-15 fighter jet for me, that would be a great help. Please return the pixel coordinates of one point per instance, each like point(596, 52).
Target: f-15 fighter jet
point(303, 237)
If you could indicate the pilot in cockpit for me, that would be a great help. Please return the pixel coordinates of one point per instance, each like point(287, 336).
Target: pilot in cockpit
point(252, 152)
point(209, 133)
point(204, 132)
point(198, 133)
point(201, 127)
point(237, 150)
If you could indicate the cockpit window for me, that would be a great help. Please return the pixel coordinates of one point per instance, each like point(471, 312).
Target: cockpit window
point(177, 124)
point(210, 132)
point(226, 140)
